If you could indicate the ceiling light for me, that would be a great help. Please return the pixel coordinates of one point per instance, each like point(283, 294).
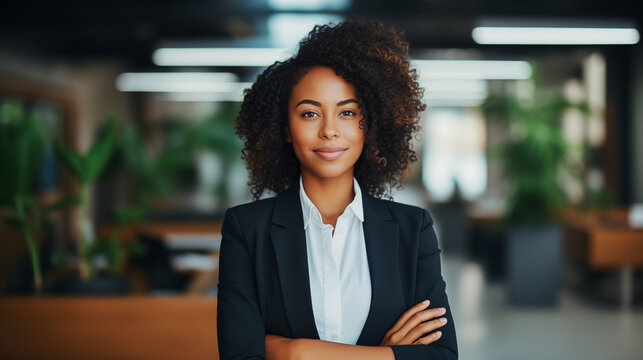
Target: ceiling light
point(203, 97)
point(454, 92)
point(453, 103)
point(285, 30)
point(218, 56)
point(309, 5)
point(454, 86)
point(180, 82)
point(472, 69)
point(554, 35)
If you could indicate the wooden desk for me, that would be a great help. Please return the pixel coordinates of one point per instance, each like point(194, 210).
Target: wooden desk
point(196, 236)
point(177, 236)
point(604, 240)
point(108, 328)
point(165, 230)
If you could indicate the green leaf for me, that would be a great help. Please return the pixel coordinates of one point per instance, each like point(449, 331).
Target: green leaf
point(19, 201)
point(72, 160)
point(31, 207)
point(37, 219)
point(58, 258)
point(101, 151)
point(22, 147)
point(132, 149)
point(11, 112)
point(125, 214)
point(33, 153)
point(61, 204)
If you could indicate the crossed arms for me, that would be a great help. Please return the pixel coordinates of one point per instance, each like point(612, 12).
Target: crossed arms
point(419, 333)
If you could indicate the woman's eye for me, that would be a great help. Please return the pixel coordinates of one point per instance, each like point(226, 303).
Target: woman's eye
point(347, 113)
point(309, 114)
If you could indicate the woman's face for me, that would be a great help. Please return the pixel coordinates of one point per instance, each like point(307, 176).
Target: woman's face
point(323, 118)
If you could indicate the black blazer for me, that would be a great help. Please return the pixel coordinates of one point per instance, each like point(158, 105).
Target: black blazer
point(264, 286)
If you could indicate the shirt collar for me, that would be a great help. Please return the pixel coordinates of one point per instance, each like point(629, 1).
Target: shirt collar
point(310, 211)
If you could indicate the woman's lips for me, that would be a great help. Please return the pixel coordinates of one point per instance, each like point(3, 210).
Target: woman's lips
point(330, 153)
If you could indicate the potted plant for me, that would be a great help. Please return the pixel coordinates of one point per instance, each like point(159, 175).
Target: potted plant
point(113, 247)
point(86, 168)
point(215, 135)
point(532, 156)
point(22, 145)
point(113, 252)
point(174, 167)
point(156, 176)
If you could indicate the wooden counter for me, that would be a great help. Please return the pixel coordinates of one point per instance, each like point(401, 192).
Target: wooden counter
point(605, 240)
point(108, 328)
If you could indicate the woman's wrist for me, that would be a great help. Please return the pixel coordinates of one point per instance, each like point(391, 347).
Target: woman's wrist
point(279, 347)
point(307, 349)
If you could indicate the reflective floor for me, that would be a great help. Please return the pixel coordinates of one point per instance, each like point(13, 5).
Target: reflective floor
point(488, 328)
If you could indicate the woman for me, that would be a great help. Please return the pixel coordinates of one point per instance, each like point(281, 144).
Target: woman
point(326, 269)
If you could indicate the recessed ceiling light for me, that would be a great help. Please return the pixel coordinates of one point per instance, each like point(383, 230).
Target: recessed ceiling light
point(554, 35)
point(309, 5)
point(218, 56)
point(202, 97)
point(180, 82)
point(286, 29)
point(473, 69)
point(454, 86)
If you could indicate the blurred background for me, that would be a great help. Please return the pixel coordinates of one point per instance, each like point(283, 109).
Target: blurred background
point(118, 159)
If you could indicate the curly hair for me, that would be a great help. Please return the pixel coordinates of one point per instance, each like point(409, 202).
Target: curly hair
point(374, 59)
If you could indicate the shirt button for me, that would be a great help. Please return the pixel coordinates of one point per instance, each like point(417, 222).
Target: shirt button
point(333, 337)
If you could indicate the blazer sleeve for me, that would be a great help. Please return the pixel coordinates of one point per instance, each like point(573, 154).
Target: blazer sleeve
point(240, 325)
point(430, 285)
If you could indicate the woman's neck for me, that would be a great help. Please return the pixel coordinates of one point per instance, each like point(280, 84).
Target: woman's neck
point(330, 195)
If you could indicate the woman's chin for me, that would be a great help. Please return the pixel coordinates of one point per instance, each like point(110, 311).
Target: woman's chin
point(331, 171)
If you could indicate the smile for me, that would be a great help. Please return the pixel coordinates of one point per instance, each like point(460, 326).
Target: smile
point(330, 153)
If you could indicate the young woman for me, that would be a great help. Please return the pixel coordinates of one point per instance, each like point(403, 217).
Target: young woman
point(327, 269)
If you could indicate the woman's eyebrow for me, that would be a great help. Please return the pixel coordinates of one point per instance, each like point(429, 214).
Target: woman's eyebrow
point(311, 102)
point(347, 101)
point(317, 103)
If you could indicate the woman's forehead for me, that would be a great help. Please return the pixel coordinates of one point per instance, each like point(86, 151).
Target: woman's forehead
point(323, 85)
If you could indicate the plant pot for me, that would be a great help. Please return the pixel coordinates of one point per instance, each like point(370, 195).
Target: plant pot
point(534, 265)
point(100, 285)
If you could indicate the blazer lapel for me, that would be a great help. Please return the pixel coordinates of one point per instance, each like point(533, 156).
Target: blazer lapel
point(381, 236)
point(289, 243)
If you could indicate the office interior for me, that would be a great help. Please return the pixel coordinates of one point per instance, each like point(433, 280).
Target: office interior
point(118, 160)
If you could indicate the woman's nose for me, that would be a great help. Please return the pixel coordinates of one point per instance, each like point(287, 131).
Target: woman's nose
point(329, 129)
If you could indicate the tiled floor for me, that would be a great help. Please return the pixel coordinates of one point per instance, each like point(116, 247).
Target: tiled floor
point(488, 328)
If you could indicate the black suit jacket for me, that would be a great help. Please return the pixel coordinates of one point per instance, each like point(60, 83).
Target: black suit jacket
point(264, 286)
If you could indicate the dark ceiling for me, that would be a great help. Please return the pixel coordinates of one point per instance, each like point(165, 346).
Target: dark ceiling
point(130, 30)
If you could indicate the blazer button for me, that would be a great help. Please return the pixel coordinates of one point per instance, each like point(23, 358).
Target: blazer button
point(333, 337)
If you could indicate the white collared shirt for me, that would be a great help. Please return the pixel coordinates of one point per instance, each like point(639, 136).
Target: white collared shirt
point(340, 281)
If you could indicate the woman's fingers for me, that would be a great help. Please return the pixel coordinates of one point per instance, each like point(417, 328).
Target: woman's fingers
point(429, 338)
point(415, 323)
point(422, 329)
point(407, 315)
point(420, 317)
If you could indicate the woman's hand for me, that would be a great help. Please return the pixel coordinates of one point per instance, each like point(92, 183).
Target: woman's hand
point(413, 324)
